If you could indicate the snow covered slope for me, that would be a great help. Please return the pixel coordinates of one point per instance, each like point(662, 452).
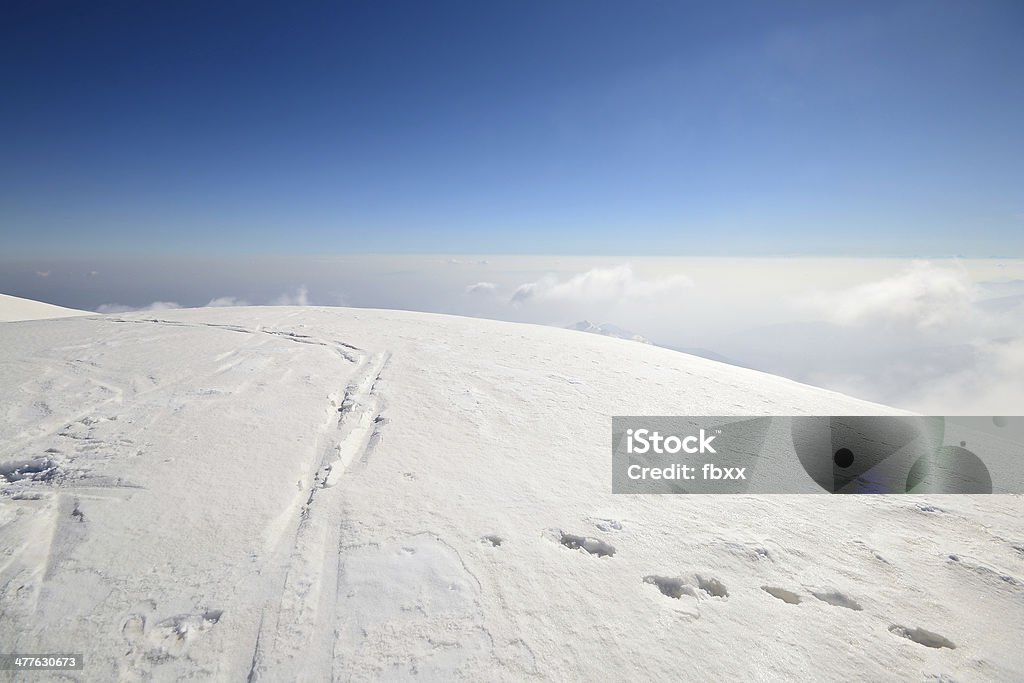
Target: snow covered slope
point(281, 494)
point(16, 308)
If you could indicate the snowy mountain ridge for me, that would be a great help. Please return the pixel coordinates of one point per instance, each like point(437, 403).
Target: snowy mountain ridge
point(608, 330)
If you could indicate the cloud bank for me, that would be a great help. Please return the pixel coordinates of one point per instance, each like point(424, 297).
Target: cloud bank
point(224, 301)
point(155, 306)
point(299, 298)
point(618, 283)
point(924, 296)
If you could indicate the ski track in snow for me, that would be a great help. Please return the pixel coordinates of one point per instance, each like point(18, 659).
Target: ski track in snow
point(351, 431)
point(390, 552)
point(305, 608)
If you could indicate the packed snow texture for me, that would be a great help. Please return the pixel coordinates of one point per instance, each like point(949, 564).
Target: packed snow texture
point(311, 494)
point(16, 308)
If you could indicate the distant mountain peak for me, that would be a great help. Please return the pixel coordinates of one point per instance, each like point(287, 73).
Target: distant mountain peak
point(608, 330)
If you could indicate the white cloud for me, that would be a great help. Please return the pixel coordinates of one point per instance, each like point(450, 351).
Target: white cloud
point(989, 386)
point(924, 296)
point(481, 288)
point(299, 298)
point(120, 308)
point(599, 285)
point(222, 301)
point(43, 273)
point(115, 308)
point(461, 262)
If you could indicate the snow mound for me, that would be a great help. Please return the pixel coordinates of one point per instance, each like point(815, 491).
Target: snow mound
point(312, 494)
point(14, 308)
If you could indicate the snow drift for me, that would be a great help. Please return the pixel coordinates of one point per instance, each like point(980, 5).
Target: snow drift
point(16, 308)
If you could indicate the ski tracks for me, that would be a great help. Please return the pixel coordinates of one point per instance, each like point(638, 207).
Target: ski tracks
point(297, 630)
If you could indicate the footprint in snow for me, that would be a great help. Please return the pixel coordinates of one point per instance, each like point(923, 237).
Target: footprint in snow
point(606, 524)
point(156, 641)
point(838, 599)
point(695, 586)
point(786, 596)
point(593, 546)
point(922, 637)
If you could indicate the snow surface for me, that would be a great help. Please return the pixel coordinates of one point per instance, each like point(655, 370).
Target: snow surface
point(16, 308)
point(282, 494)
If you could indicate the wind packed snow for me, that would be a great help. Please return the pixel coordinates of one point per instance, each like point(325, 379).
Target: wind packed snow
point(280, 494)
point(16, 308)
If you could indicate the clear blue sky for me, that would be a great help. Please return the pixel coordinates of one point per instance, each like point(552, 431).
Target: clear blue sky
point(548, 127)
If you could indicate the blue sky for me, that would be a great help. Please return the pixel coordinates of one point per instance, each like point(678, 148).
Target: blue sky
point(862, 128)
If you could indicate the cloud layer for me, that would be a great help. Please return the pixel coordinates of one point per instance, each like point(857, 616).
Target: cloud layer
point(300, 297)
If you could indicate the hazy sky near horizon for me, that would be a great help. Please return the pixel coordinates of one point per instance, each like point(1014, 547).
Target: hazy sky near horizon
point(939, 336)
point(861, 128)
